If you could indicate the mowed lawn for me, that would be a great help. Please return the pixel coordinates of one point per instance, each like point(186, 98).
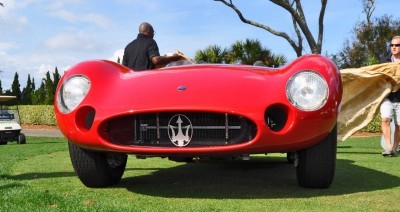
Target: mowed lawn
point(38, 176)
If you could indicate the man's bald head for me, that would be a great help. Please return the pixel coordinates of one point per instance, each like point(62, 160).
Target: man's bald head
point(147, 29)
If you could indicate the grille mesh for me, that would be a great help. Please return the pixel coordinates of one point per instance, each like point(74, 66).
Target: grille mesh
point(202, 129)
point(9, 135)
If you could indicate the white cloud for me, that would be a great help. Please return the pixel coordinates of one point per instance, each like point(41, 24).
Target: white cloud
point(141, 4)
point(73, 41)
point(6, 46)
point(44, 68)
point(96, 19)
point(64, 15)
point(55, 5)
point(59, 4)
point(36, 65)
point(10, 20)
point(117, 54)
point(11, 5)
point(13, 23)
point(8, 5)
point(41, 71)
point(23, 3)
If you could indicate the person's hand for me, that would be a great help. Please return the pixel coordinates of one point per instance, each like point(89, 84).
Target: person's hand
point(177, 57)
point(173, 56)
point(181, 57)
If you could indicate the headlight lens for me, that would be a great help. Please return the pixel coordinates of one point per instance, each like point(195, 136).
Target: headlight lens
point(307, 90)
point(72, 92)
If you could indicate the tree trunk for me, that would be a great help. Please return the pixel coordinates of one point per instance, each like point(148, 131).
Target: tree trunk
point(300, 25)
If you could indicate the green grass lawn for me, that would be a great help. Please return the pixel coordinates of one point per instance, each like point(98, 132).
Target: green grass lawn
point(38, 176)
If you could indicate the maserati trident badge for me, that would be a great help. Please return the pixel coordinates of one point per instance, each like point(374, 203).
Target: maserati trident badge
point(182, 88)
point(180, 130)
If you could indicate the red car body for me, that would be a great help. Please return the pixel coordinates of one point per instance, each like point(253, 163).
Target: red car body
point(105, 120)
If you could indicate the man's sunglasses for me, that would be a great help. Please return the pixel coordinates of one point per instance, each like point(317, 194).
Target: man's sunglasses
point(396, 45)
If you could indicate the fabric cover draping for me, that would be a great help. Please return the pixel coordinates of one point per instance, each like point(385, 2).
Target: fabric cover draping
point(363, 91)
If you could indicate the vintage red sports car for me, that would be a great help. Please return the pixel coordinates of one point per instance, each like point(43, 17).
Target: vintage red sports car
point(197, 111)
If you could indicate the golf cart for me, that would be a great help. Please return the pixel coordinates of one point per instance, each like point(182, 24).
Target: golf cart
point(10, 129)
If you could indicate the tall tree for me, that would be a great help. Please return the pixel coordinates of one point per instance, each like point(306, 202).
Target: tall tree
point(9, 93)
point(49, 88)
point(1, 88)
point(39, 95)
point(369, 44)
point(56, 79)
point(368, 9)
point(27, 92)
point(33, 84)
point(15, 87)
point(295, 8)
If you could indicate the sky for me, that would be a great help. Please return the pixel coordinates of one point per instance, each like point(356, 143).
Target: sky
point(38, 35)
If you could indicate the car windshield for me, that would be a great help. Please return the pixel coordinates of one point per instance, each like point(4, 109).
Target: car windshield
point(180, 63)
point(9, 113)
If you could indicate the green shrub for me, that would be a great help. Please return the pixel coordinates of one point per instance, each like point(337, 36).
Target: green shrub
point(374, 126)
point(37, 114)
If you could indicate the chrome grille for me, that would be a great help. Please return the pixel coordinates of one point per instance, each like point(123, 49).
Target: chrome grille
point(155, 129)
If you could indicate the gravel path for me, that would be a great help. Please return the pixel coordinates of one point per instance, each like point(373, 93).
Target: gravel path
point(42, 132)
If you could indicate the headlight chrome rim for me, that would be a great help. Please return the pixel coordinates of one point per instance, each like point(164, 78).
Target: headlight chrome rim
point(72, 92)
point(307, 90)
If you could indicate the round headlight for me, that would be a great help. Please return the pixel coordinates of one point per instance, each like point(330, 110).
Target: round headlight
point(72, 92)
point(307, 90)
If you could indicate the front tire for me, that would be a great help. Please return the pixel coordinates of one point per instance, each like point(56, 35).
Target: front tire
point(97, 169)
point(316, 165)
point(21, 139)
point(291, 157)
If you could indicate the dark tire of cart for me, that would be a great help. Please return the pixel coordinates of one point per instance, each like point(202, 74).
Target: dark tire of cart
point(291, 157)
point(316, 165)
point(21, 139)
point(97, 169)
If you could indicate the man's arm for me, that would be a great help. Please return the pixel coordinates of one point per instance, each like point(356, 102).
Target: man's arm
point(163, 60)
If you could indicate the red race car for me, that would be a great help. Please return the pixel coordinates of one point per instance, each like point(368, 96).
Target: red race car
point(191, 112)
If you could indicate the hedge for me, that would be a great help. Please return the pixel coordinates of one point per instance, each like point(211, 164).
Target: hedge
point(44, 115)
point(374, 126)
point(37, 114)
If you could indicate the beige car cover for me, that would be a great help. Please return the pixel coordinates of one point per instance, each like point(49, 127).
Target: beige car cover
point(363, 91)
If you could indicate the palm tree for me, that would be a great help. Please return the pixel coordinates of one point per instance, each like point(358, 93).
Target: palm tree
point(250, 51)
point(247, 52)
point(212, 54)
point(275, 60)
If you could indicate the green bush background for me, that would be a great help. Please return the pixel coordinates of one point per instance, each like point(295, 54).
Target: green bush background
point(44, 115)
point(374, 126)
point(37, 114)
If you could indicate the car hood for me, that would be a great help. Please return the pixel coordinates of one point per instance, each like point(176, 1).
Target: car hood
point(228, 88)
point(192, 87)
